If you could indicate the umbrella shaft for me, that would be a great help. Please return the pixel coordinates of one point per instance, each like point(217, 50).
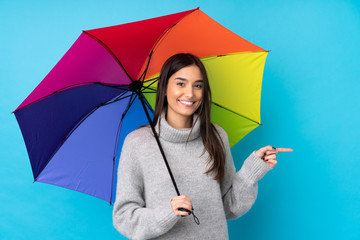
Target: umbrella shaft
point(141, 97)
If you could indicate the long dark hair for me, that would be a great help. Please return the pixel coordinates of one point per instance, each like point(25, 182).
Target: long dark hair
point(210, 136)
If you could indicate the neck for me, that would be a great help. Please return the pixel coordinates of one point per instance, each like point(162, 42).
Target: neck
point(171, 134)
point(179, 122)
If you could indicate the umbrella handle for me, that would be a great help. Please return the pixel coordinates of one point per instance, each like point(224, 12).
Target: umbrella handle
point(197, 221)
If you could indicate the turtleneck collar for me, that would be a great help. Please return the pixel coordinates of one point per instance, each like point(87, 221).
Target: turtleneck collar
point(171, 134)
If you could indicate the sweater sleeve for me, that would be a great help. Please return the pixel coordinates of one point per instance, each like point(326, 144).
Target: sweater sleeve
point(239, 189)
point(131, 217)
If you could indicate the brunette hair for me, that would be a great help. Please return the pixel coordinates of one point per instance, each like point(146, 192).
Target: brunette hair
point(210, 136)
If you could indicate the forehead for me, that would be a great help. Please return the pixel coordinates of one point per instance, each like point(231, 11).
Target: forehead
point(191, 72)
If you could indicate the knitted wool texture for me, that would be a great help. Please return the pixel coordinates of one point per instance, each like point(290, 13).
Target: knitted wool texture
point(142, 208)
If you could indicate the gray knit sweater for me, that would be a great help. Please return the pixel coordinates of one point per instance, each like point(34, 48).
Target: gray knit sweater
point(142, 209)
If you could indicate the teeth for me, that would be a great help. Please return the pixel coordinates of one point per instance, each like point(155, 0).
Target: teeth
point(187, 103)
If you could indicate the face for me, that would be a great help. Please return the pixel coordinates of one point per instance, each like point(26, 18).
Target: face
point(184, 94)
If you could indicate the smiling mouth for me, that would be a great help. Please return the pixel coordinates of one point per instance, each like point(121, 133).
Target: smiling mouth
point(187, 103)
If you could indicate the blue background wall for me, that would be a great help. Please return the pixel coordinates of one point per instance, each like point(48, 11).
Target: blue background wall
point(310, 102)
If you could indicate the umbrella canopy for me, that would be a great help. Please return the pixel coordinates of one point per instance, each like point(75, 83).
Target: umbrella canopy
point(74, 122)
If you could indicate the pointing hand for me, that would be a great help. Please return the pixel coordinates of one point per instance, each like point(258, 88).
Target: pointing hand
point(268, 154)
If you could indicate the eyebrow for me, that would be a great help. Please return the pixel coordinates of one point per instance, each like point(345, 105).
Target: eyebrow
point(184, 79)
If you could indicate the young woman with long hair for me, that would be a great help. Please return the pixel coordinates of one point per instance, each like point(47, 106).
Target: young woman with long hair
point(199, 156)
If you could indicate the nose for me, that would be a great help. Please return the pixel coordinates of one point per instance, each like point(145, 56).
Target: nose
point(189, 91)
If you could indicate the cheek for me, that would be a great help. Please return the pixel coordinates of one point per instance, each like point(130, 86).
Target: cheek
point(172, 94)
point(200, 97)
point(169, 96)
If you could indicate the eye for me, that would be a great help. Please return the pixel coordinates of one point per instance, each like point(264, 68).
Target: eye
point(199, 86)
point(180, 84)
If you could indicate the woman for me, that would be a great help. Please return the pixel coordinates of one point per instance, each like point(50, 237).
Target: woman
point(199, 156)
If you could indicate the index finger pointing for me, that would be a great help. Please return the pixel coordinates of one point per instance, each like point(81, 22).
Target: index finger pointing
point(284, 149)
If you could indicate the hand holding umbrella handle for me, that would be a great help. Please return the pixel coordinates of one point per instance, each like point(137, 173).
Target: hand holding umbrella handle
point(184, 210)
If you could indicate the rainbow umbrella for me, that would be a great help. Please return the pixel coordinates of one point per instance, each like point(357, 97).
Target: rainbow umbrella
point(74, 122)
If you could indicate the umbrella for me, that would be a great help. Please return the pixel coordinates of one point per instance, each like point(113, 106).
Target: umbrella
point(74, 122)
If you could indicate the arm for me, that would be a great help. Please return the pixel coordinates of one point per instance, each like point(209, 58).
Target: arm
point(130, 215)
point(239, 189)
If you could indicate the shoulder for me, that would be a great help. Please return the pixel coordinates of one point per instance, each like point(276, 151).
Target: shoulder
point(221, 131)
point(223, 135)
point(138, 136)
point(138, 142)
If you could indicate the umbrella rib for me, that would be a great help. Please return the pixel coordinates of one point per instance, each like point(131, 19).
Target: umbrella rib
point(114, 86)
point(147, 66)
point(111, 53)
point(235, 113)
point(74, 128)
point(151, 79)
point(148, 86)
point(154, 81)
point(148, 105)
point(148, 92)
point(117, 144)
point(131, 102)
point(120, 97)
point(168, 31)
point(157, 43)
point(218, 106)
point(66, 137)
point(229, 54)
point(71, 87)
point(114, 159)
